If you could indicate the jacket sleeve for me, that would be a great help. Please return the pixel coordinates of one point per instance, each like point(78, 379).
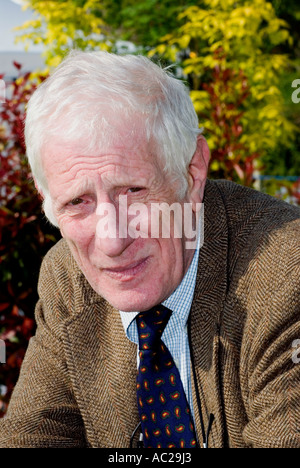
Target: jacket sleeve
point(43, 412)
point(270, 355)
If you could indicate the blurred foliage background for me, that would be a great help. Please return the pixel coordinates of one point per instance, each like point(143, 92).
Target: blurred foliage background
point(240, 60)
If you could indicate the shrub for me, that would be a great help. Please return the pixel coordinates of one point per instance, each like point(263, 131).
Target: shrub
point(25, 236)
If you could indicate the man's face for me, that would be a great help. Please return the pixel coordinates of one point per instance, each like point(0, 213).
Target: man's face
point(132, 274)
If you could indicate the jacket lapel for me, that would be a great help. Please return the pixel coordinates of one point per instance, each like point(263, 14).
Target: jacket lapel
point(102, 363)
point(208, 303)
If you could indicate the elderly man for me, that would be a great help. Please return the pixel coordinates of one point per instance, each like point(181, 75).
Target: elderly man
point(141, 338)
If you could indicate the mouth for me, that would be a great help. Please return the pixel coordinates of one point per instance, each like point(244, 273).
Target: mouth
point(127, 272)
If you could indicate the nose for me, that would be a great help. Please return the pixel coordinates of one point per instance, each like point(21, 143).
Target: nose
point(111, 235)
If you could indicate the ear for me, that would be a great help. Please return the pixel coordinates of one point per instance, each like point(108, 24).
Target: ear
point(197, 172)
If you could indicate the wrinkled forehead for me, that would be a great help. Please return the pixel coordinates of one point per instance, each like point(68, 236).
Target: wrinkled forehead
point(107, 134)
point(99, 128)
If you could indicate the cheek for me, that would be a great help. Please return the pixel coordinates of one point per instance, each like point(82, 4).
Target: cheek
point(78, 233)
point(172, 258)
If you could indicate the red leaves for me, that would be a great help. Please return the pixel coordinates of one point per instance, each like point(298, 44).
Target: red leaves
point(17, 65)
point(4, 306)
point(292, 191)
point(296, 191)
point(24, 235)
point(228, 90)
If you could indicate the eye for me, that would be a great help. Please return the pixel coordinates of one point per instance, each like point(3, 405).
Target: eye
point(76, 201)
point(135, 189)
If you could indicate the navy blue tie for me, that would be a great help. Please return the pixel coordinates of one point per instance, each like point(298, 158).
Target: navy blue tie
point(164, 411)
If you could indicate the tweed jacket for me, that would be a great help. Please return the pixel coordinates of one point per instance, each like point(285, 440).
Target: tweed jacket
point(77, 382)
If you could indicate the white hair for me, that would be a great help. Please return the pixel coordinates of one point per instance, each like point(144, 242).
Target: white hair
point(77, 101)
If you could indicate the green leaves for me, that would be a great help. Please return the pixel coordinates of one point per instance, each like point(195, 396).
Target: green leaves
point(240, 38)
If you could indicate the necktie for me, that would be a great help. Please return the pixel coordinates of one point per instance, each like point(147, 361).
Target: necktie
point(164, 411)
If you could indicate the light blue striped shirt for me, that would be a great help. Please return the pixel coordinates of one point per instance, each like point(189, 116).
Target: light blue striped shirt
point(175, 335)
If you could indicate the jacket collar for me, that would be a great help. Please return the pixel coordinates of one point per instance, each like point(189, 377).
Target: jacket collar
point(206, 312)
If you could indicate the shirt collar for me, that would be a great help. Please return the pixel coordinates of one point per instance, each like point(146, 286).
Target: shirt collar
point(181, 299)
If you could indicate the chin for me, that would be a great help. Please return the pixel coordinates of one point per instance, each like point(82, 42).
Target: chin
point(132, 301)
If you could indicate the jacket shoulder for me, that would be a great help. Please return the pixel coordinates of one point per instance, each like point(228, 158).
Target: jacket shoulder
point(62, 286)
point(59, 264)
point(258, 226)
point(242, 202)
point(255, 214)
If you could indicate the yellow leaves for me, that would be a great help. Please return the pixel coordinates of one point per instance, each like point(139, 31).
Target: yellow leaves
point(190, 13)
point(61, 25)
point(184, 41)
point(26, 5)
point(33, 24)
point(223, 21)
point(259, 76)
point(225, 35)
point(160, 50)
point(167, 51)
point(273, 91)
point(95, 25)
point(64, 38)
point(197, 64)
point(55, 61)
point(200, 100)
point(245, 33)
point(36, 75)
point(248, 11)
point(268, 113)
point(215, 166)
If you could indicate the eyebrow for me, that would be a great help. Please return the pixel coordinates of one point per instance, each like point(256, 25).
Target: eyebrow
point(87, 186)
point(75, 191)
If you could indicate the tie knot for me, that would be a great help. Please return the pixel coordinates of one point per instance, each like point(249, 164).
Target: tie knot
point(151, 325)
